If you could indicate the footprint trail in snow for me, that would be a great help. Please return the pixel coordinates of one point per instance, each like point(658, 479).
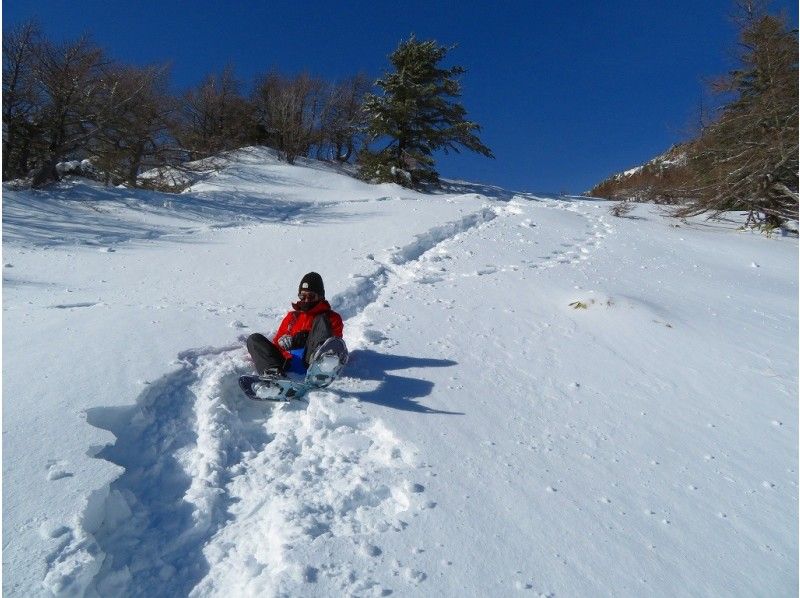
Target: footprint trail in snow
point(220, 492)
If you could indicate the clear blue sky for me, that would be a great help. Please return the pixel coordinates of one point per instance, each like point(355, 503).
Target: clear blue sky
point(567, 92)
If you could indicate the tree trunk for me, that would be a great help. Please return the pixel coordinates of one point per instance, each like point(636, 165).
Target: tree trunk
point(24, 157)
point(10, 131)
point(46, 173)
point(136, 162)
point(349, 154)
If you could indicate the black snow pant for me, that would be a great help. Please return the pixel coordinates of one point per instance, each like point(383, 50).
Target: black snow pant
point(267, 356)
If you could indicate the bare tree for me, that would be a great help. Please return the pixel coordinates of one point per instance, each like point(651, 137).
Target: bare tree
point(137, 133)
point(67, 101)
point(343, 121)
point(19, 98)
point(621, 209)
point(80, 97)
point(287, 113)
point(214, 116)
point(69, 78)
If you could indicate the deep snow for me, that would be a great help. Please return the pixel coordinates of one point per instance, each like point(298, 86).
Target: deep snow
point(487, 438)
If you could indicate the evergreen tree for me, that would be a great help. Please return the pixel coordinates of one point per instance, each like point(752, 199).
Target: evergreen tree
point(417, 111)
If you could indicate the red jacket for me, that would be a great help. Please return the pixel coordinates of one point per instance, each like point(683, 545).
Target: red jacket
point(301, 321)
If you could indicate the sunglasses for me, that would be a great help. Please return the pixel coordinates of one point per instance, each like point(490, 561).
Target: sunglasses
point(307, 296)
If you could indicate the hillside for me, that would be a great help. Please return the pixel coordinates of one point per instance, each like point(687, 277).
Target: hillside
point(655, 181)
point(541, 399)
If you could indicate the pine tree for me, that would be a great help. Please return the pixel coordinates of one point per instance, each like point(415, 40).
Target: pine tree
point(418, 113)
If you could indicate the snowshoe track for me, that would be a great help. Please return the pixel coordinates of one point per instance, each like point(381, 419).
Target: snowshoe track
point(212, 479)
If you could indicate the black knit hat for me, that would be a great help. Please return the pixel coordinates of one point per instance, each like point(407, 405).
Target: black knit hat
point(312, 282)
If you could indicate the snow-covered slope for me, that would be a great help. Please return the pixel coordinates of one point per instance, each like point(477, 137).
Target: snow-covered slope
point(487, 437)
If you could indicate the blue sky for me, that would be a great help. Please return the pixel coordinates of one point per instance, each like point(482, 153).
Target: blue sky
point(566, 92)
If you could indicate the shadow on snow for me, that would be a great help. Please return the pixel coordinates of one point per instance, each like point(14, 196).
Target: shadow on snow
point(397, 392)
point(83, 214)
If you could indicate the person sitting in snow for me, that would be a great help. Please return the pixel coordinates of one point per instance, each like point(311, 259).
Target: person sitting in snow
point(310, 323)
